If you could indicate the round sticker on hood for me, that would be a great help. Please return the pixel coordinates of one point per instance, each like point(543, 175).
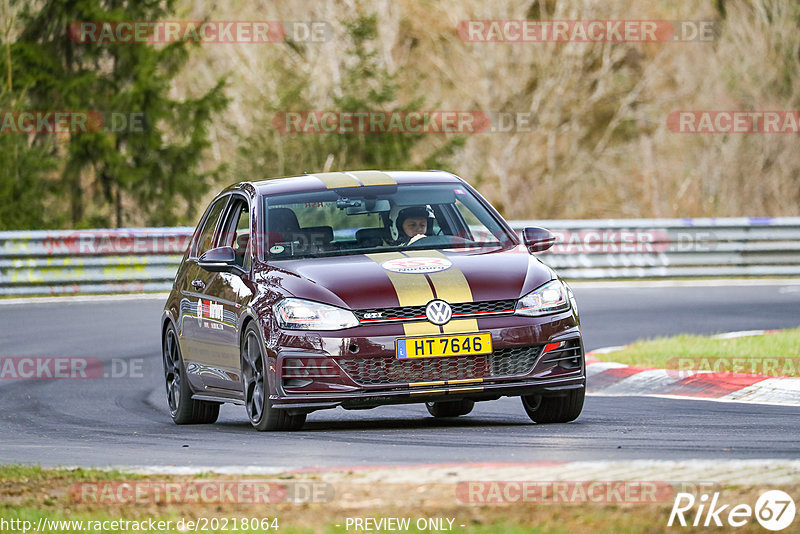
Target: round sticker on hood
point(417, 265)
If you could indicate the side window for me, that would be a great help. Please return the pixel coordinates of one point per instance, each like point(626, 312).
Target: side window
point(470, 218)
point(476, 229)
point(237, 232)
point(204, 239)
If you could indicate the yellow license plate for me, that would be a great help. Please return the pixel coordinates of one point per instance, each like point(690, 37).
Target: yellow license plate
point(434, 346)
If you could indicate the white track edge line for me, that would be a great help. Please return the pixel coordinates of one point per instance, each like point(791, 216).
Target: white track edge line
point(84, 298)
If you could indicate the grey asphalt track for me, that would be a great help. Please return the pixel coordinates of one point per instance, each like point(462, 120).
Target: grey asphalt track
point(124, 421)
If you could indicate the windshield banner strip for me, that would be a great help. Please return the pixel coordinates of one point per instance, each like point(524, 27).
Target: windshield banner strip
point(337, 180)
point(373, 178)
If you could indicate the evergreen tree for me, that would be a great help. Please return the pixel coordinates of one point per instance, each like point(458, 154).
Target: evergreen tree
point(24, 165)
point(151, 163)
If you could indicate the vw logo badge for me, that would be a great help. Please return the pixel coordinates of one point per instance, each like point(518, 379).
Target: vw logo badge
point(438, 312)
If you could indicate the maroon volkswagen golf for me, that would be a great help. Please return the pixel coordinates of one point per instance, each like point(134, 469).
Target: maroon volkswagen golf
point(361, 289)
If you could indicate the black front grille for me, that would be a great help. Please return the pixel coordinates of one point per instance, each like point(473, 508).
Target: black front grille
point(418, 312)
point(516, 361)
point(388, 314)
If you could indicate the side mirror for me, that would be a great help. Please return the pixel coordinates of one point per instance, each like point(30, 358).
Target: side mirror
point(220, 260)
point(537, 239)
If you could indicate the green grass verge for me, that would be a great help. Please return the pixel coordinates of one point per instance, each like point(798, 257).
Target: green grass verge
point(776, 354)
point(34, 473)
point(31, 494)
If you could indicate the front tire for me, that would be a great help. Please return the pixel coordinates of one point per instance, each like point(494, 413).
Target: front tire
point(256, 388)
point(561, 409)
point(450, 408)
point(182, 408)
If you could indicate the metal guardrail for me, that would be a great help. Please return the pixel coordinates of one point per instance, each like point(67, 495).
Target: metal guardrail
point(127, 260)
point(649, 248)
point(145, 259)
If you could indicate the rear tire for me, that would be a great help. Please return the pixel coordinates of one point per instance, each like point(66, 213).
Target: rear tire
point(562, 409)
point(182, 409)
point(256, 388)
point(450, 408)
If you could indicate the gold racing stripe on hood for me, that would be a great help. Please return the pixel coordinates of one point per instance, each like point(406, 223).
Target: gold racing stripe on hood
point(411, 289)
point(451, 286)
point(336, 180)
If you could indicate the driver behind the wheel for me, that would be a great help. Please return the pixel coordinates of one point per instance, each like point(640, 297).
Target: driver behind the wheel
point(412, 224)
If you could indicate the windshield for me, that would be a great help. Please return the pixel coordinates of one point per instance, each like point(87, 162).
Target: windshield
point(361, 220)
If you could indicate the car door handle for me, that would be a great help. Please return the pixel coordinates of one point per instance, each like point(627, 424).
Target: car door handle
point(198, 284)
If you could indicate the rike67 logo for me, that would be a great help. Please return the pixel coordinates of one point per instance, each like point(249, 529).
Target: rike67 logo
point(774, 510)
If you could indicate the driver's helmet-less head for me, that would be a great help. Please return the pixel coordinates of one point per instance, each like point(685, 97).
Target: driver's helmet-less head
point(407, 213)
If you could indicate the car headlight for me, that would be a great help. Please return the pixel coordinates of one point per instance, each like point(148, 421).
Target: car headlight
point(298, 314)
point(549, 298)
point(571, 296)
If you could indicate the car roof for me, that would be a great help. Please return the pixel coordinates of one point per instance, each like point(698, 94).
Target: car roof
point(322, 181)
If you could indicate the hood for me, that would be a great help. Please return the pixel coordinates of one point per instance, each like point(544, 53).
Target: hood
point(412, 278)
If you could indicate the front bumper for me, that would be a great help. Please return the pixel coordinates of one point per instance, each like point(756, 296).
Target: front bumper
point(305, 403)
point(546, 357)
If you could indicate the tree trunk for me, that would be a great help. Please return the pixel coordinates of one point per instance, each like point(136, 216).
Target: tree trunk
point(118, 205)
point(75, 196)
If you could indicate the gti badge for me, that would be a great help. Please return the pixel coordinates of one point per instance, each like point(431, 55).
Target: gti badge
point(438, 312)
